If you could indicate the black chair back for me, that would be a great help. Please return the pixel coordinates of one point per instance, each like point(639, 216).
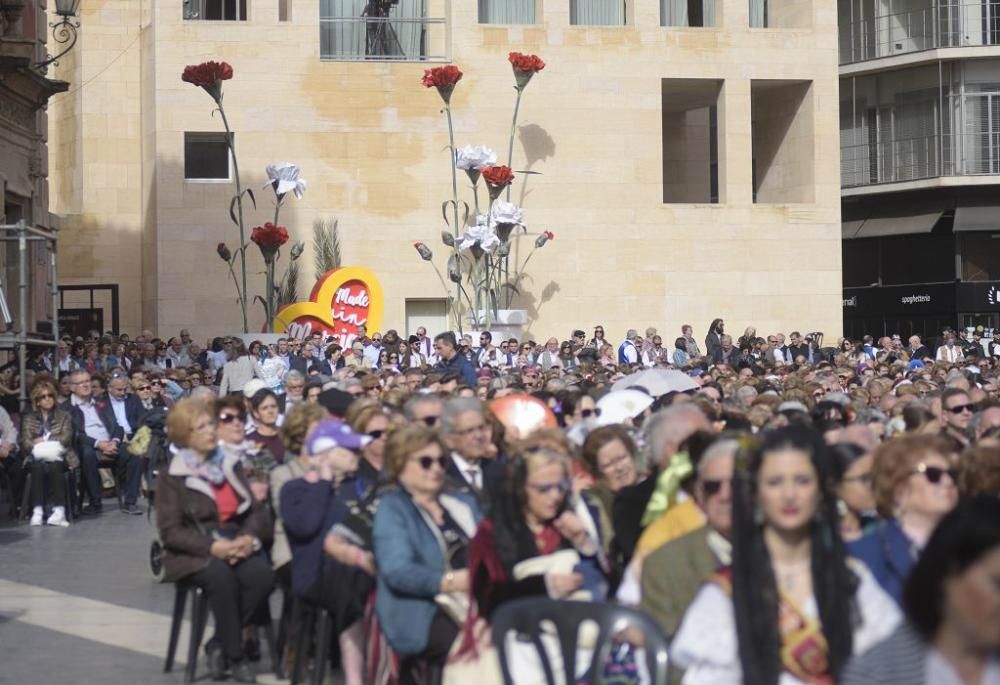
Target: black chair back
point(532, 617)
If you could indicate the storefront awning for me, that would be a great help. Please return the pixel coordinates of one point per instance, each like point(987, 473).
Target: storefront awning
point(849, 229)
point(876, 227)
point(978, 218)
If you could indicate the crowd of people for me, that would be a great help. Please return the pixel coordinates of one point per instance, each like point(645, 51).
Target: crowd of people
point(787, 512)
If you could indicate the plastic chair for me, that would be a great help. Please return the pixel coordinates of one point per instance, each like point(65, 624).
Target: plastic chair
point(528, 618)
point(199, 617)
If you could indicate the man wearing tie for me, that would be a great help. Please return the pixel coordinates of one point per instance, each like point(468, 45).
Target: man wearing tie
point(467, 434)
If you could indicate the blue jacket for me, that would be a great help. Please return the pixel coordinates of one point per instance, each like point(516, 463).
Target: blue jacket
point(460, 365)
point(888, 554)
point(308, 512)
point(410, 560)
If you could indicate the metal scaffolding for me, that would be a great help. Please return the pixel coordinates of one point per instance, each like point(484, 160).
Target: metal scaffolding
point(18, 334)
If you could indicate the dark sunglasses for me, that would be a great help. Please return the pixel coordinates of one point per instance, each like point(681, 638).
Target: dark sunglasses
point(431, 421)
point(711, 488)
point(427, 462)
point(228, 418)
point(375, 435)
point(143, 387)
point(587, 413)
point(933, 474)
point(47, 396)
point(960, 408)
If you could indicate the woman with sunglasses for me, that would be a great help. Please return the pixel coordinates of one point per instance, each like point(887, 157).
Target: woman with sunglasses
point(421, 538)
point(144, 391)
point(915, 483)
point(790, 609)
point(48, 423)
point(211, 527)
point(540, 538)
point(368, 417)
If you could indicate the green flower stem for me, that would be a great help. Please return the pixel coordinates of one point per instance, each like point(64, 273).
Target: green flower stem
point(239, 205)
point(232, 272)
point(454, 197)
point(513, 130)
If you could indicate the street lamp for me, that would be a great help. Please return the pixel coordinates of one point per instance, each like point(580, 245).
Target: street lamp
point(64, 32)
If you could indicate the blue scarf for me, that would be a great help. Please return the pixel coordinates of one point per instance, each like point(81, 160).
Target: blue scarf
point(209, 469)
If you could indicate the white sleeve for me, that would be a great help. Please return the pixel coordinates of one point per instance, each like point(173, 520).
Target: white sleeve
point(631, 354)
point(705, 645)
point(879, 613)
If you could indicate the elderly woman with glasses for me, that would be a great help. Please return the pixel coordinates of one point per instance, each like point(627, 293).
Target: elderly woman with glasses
point(212, 527)
point(915, 483)
point(42, 429)
point(421, 540)
point(369, 418)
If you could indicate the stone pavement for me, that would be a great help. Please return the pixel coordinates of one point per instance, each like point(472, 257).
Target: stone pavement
point(80, 605)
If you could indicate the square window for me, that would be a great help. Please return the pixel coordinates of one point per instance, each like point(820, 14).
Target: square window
point(687, 13)
point(691, 140)
point(783, 141)
point(215, 10)
point(506, 11)
point(597, 12)
point(206, 157)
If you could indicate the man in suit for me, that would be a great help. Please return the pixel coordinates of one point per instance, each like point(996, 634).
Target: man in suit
point(99, 438)
point(673, 574)
point(128, 409)
point(467, 434)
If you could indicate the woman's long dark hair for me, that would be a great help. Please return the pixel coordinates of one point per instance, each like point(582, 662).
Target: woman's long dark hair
point(712, 326)
point(755, 589)
point(514, 540)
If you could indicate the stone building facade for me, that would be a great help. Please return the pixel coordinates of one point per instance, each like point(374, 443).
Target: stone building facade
point(687, 171)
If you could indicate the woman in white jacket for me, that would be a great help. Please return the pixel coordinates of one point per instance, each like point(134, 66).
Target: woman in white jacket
point(239, 369)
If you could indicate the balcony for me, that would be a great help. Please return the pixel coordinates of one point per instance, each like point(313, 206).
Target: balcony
point(949, 25)
point(913, 159)
point(381, 39)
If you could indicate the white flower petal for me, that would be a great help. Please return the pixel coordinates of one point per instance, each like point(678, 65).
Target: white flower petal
point(474, 157)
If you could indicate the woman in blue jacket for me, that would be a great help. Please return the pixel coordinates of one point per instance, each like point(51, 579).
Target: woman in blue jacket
point(421, 541)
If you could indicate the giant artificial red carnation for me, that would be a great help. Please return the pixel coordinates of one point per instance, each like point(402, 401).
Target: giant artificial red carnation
point(528, 63)
point(444, 79)
point(269, 238)
point(498, 176)
point(439, 77)
point(208, 75)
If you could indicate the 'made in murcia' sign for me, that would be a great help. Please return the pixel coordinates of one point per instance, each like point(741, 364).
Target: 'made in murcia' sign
point(341, 300)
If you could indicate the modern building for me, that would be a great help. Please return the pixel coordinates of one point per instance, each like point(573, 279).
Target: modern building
point(685, 154)
point(920, 164)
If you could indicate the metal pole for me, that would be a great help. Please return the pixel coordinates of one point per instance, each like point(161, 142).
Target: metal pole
point(22, 315)
point(55, 306)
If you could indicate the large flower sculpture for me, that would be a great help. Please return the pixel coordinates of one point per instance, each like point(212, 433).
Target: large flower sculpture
point(208, 75)
point(269, 238)
point(525, 66)
point(284, 178)
point(479, 239)
point(444, 79)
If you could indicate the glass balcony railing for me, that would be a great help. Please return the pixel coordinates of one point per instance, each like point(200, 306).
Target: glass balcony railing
point(952, 24)
point(404, 39)
point(912, 159)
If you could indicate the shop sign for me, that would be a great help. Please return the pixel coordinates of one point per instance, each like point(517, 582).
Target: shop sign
point(341, 301)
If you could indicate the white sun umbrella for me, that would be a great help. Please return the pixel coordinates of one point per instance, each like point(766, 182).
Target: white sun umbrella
point(658, 381)
point(619, 405)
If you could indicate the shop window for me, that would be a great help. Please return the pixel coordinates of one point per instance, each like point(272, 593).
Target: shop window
point(860, 263)
point(918, 259)
point(206, 157)
point(980, 256)
point(784, 157)
point(692, 142)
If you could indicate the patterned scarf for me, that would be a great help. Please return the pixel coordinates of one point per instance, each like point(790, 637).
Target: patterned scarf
point(209, 469)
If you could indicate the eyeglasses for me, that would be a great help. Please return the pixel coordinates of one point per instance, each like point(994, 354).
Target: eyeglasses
point(587, 413)
point(933, 474)
point(375, 435)
point(960, 408)
point(562, 487)
point(142, 387)
point(46, 396)
point(427, 462)
point(712, 487)
point(431, 421)
point(228, 418)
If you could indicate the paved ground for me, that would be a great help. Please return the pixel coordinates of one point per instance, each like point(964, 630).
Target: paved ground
point(80, 605)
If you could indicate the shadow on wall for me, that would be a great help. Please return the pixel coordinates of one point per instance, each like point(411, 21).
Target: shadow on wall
point(538, 146)
point(533, 305)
